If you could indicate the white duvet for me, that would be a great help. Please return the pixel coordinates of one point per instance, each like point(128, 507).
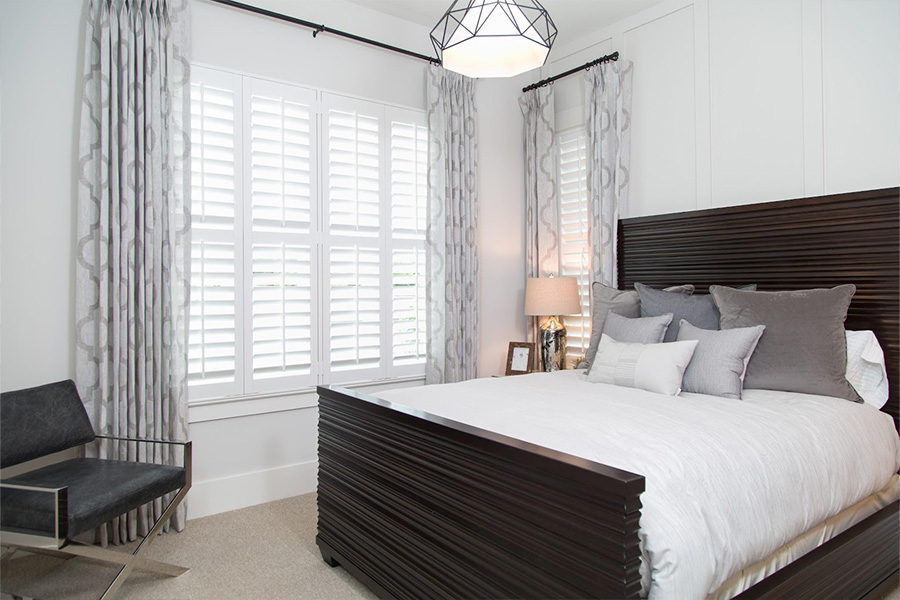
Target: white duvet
point(728, 482)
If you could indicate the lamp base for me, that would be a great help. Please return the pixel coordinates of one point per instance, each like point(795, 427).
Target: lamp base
point(553, 349)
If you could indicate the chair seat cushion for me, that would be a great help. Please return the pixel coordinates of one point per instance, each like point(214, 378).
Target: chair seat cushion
point(99, 490)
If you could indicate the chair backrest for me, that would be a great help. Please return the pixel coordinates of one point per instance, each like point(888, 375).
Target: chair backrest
point(42, 420)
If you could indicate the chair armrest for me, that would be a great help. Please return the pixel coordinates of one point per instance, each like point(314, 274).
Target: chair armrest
point(146, 440)
point(60, 518)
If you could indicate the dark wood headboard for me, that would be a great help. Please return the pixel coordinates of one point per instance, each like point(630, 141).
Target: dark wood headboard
point(791, 244)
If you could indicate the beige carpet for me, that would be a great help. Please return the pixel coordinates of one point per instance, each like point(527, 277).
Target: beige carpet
point(266, 551)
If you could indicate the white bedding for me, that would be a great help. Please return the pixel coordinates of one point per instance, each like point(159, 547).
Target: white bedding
point(728, 482)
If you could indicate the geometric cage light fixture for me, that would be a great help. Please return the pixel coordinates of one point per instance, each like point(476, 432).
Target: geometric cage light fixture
point(494, 38)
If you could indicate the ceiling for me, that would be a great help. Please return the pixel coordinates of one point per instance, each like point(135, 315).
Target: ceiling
point(573, 18)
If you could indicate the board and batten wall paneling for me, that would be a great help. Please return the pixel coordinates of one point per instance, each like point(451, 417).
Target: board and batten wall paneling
point(738, 101)
point(756, 100)
point(663, 127)
point(861, 60)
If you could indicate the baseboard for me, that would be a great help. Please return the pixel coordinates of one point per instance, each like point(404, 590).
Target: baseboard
point(249, 489)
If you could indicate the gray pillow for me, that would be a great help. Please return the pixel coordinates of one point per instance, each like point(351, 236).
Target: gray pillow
point(647, 330)
point(625, 302)
point(804, 348)
point(699, 310)
point(720, 359)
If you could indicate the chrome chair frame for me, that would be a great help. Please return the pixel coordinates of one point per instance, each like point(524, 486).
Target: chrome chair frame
point(59, 545)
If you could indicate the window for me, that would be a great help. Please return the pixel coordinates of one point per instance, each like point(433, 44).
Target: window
point(574, 255)
point(308, 238)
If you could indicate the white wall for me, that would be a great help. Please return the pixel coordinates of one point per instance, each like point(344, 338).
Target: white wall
point(245, 451)
point(738, 101)
point(40, 61)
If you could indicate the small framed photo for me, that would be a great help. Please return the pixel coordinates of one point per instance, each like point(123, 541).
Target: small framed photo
point(520, 359)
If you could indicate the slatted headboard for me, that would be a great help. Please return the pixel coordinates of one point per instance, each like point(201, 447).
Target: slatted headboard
point(791, 244)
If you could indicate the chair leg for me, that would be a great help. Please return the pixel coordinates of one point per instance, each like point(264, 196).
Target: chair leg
point(137, 561)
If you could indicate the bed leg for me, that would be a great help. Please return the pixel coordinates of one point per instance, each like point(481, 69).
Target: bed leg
point(329, 560)
point(327, 554)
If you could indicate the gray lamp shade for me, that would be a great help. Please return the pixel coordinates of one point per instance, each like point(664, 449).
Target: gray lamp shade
point(551, 296)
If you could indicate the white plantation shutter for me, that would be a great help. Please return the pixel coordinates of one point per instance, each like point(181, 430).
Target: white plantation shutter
point(297, 283)
point(573, 225)
point(408, 202)
point(215, 335)
point(354, 235)
point(280, 179)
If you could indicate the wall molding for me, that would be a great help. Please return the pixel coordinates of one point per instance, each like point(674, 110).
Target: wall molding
point(249, 489)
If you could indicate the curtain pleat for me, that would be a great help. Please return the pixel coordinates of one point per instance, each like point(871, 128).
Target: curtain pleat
point(607, 100)
point(133, 255)
point(541, 190)
point(451, 238)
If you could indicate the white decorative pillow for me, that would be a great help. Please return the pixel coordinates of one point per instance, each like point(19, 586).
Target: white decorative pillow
point(865, 367)
point(653, 367)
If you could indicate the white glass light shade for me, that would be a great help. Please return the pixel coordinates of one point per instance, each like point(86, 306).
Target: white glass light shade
point(494, 38)
point(551, 296)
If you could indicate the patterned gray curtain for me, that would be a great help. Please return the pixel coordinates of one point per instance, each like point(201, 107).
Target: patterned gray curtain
point(607, 100)
point(541, 199)
point(451, 238)
point(132, 264)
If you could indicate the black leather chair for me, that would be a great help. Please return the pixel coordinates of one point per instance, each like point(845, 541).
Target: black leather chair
point(43, 509)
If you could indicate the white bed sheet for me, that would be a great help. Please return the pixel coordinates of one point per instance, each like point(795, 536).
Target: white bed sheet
point(728, 482)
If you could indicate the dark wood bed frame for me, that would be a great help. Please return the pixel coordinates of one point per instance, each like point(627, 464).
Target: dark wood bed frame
point(417, 506)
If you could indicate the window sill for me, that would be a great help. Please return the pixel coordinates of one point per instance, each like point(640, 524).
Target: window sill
point(232, 407)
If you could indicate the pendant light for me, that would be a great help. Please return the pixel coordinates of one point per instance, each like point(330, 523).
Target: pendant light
point(493, 38)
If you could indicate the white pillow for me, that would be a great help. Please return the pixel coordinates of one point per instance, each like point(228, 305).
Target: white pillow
point(865, 367)
point(653, 367)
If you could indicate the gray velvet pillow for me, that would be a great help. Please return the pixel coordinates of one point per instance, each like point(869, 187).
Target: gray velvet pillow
point(804, 348)
point(625, 302)
point(720, 359)
point(646, 330)
point(700, 310)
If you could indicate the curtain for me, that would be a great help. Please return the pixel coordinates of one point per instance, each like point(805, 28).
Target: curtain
point(541, 192)
point(451, 237)
point(133, 232)
point(607, 100)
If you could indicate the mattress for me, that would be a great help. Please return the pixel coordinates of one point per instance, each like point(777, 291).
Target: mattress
point(728, 482)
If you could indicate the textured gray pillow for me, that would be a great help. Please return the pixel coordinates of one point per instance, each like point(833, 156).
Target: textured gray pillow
point(804, 348)
point(720, 359)
point(699, 311)
point(625, 302)
point(647, 330)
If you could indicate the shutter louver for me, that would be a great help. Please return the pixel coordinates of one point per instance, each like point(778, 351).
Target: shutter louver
point(409, 197)
point(408, 308)
point(353, 173)
point(573, 224)
point(355, 310)
point(282, 311)
point(281, 173)
point(214, 338)
point(211, 351)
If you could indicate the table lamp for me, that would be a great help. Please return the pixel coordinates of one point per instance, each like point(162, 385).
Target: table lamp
point(551, 297)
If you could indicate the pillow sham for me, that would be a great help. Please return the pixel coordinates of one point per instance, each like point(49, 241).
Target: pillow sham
point(700, 310)
point(640, 330)
point(653, 367)
point(804, 348)
point(720, 360)
point(866, 371)
point(625, 302)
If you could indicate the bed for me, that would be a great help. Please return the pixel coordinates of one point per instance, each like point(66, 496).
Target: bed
point(419, 505)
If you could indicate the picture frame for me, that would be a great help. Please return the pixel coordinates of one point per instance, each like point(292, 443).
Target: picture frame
point(520, 358)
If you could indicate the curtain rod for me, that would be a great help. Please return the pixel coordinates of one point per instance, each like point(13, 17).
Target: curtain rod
point(317, 29)
point(585, 66)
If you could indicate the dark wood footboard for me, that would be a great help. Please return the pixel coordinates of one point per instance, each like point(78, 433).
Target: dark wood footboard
point(417, 506)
